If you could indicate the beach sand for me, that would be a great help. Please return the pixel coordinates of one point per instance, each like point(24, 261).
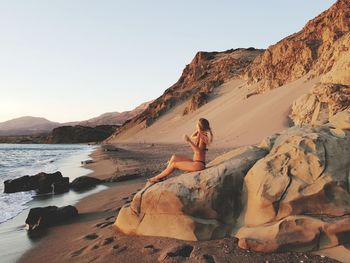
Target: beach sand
point(91, 237)
point(235, 119)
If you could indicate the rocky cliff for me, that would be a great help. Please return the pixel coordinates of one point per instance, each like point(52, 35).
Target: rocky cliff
point(319, 51)
point(332, 94)
point(316, 49)
point(80, 134)
point(206, 71)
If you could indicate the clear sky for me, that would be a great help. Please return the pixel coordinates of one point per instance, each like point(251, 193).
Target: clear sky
point(69, 60)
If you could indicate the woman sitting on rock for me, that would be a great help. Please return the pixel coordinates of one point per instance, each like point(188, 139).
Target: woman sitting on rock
point(198, 142)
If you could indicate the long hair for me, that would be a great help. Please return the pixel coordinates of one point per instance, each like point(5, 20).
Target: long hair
point(204, 129)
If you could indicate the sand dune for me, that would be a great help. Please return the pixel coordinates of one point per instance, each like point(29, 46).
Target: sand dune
point(235, 119)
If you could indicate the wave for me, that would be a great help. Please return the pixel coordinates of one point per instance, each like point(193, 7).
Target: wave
point(20, 160)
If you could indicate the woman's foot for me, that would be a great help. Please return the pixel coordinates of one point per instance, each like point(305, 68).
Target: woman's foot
point(155, 179)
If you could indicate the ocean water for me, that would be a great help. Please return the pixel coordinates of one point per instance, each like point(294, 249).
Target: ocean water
point(28, 159)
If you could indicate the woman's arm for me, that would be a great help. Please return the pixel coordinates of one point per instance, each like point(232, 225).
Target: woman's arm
point(194, 134)
point(194, 147)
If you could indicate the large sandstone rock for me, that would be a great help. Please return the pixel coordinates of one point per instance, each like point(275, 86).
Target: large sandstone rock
point(299, 192)
point(324, 101)
point(295, 195)
point(341, 120)
point(194, 206)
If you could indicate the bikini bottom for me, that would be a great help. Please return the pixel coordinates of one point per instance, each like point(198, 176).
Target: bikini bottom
point(203, 162)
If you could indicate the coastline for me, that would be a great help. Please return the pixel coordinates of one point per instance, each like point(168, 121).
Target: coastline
point(14, 239)
point(91, 237)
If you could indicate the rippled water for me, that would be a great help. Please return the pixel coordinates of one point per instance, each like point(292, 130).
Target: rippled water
point(28, 159)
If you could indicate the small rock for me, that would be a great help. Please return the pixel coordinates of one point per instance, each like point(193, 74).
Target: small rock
point(91, 236)
point(183, 250)
point(85, 182)
point(87, 161)
point(107, 241)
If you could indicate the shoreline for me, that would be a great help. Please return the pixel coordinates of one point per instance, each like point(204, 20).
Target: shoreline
point(14, 240)
point(91, 237)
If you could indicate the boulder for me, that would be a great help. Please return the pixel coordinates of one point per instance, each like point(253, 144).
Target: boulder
point(298, 192)
point(84, 182)
point(200, 205)
point(318, 106)
point(43, 217)
point(62, 186)
point(24, 183)
point(45, 181)
point(341, 120)
point(41, 182)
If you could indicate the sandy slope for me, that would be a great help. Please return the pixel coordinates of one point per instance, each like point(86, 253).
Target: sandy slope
point(235, 120)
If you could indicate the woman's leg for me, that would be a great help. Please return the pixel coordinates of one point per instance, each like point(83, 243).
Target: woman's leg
point(179, 158)
point(189, 166)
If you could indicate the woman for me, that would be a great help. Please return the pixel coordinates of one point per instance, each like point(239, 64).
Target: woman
point(198, 142)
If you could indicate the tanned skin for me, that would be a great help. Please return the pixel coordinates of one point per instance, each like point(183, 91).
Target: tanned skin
point(185, 163)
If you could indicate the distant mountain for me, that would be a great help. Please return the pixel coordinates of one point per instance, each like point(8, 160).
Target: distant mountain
point(114, 118)
point(36, 125)
point(27, 125)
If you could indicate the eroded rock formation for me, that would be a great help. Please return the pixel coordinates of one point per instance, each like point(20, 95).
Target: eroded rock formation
point(332, 94)
point(324, 101)
point(298, 192)
point(291, 192)
point(200, 206)
point(316, 49)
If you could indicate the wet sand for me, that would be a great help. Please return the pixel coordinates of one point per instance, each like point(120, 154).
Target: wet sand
point(14, 240)
point(91, 237)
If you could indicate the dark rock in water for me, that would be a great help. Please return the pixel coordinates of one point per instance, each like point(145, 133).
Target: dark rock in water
point(84, 182)
point(24, 183)
point(43, 217)
point(41, 182)
point(45, 181)
point(61, 187)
